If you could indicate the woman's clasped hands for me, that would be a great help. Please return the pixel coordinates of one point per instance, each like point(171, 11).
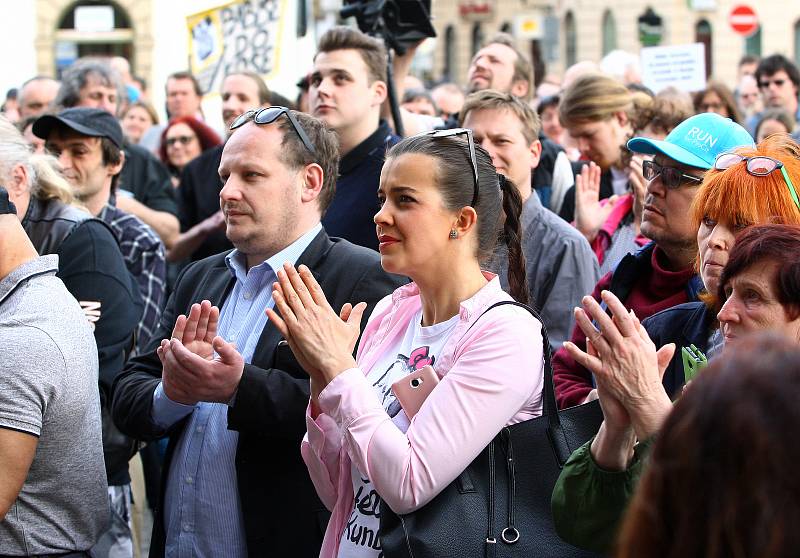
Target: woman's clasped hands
point(321, 340)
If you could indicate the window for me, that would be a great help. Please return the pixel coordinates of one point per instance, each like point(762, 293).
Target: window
point(477, 38)
point(121, 19)
point(752, 44)
point(702, 34)
point(449, 53)
point(570, 40)
point(609, 33)
point(106, 32)
point(797, 42)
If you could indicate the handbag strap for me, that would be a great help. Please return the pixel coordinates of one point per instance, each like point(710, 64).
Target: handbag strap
point(510, 534)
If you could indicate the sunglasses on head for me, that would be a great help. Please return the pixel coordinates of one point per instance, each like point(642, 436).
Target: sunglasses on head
point(671, 177)
point(269, 115)
point(183, 140)
point(757, 166)
point(471, 143)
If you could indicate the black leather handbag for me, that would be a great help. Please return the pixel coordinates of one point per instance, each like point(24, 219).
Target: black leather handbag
point(500, 505)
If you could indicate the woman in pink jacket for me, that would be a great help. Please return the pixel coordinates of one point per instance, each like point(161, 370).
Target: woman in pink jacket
point(442, 211)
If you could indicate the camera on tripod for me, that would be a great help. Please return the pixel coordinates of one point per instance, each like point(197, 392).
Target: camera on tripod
point(401, 23)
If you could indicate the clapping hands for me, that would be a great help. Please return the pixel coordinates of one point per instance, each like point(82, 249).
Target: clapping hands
point(321, 340)
point(626, 365)
point(191, 371)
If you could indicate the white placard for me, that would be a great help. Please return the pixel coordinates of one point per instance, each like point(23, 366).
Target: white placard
point(703, 5)
point(93, 19)
point(680, 66)
point(529, 26)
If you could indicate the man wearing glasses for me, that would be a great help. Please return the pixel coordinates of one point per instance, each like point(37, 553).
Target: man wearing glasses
point(778, 80)
point(219, 380)
point(661, 274)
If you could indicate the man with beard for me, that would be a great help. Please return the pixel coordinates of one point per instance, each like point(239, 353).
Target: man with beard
point(661, 274)
point(145, 189)
point(500, 65)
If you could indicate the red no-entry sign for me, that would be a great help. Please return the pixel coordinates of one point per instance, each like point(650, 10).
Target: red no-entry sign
point(743, 20)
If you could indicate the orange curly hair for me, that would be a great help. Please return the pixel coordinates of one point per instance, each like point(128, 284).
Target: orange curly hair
point(736, 197)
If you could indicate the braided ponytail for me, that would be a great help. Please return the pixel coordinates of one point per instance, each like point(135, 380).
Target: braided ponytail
point(512, 237)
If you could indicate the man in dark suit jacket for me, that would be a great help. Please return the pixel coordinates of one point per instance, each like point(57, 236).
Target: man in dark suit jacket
point(234, 481)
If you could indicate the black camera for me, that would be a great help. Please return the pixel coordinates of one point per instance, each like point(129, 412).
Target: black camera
point(401, 23)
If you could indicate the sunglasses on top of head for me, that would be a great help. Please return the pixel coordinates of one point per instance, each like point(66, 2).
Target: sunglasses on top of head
point(757, 166)
point(268, 115)
point(471, 143)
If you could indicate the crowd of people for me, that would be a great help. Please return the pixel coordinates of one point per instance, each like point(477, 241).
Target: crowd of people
point(268, 336)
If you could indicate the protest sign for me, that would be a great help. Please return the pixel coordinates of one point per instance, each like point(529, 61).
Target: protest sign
point(239, 35)
point(679, 66)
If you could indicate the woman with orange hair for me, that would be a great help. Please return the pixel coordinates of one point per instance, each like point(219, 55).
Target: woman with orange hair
point(183, 140)
point(747, 187)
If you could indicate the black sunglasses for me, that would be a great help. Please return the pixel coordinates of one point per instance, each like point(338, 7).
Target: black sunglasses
point(471, 142)
point(671, 177)
point(767, 82)
point(269, 115)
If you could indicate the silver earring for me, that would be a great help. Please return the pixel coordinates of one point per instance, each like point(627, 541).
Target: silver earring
point(453, 234)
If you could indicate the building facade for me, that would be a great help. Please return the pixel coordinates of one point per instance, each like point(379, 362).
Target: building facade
point(49, 35)
point(558, 33)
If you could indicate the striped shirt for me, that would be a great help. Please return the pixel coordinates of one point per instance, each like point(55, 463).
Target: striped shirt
point(203, 516)
point(144, 257)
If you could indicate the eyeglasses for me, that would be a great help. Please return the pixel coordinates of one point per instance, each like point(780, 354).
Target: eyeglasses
point(471, 142)
point(269, 115)
point(757, 166)
point(767, 82)
point(671, 177)
point(183, 140)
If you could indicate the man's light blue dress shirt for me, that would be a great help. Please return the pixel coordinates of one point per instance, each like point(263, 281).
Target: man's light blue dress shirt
point(202, 512)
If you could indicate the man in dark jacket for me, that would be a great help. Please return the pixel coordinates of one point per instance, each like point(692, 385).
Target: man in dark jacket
point(347, 88)
point(662, 274)
point(235, 484)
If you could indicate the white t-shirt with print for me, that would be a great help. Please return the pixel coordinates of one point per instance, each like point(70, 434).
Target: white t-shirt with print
point(419, 347)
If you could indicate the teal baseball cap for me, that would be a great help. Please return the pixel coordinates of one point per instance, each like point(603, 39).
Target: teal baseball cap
point(697, 141)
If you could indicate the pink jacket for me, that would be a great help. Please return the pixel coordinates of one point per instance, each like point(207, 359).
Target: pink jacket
point(491, 376)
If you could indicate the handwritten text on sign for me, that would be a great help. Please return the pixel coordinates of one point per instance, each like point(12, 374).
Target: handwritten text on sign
point(243, 35)
point(680, 66)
